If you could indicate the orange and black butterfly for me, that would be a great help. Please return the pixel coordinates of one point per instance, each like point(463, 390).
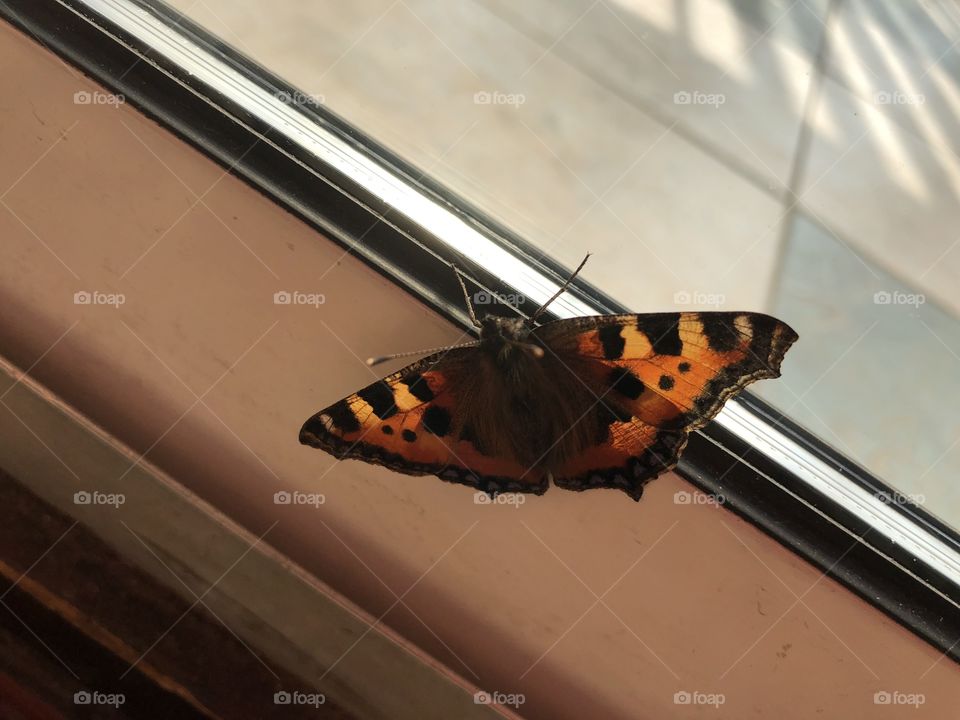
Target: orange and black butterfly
point(591, 402)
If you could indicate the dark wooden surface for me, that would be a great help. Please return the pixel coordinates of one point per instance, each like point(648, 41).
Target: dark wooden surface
point(81, 616)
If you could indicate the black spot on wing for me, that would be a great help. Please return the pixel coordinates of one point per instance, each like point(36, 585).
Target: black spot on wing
point(418, 387)
point(379, 396)
point(612, 341)
point(608, 413)
point(469, 434)
point(666, 382)
point(684, 367)
point(626, 383)
point(720, 331)
point(408, 435)
point(663, 332)
point(342, 417)
point(386, 430)
point(436, 420)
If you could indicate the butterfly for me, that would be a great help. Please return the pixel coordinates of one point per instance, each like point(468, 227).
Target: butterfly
point(588, 402)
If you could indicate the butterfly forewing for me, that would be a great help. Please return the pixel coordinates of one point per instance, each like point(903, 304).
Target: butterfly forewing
point(414, 422)
point(655, 378)
point(672, 369)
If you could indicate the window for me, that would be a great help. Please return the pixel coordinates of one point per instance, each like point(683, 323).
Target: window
point(793, 158)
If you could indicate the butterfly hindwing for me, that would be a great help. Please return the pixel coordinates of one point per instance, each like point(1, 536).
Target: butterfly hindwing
point(412, 422)
point(655, 378)
point(632, 455)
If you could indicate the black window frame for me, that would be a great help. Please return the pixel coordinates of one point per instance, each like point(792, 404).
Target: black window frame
point(917, 587)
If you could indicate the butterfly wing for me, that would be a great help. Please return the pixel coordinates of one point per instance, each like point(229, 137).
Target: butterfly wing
point(657, 377)
point(411, 422)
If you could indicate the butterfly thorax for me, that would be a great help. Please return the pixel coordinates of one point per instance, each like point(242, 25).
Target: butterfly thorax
point(498, 330)
point(509, 344)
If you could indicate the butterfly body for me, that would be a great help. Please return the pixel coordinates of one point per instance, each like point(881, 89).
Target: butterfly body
point(523, 405)
point(604, 401)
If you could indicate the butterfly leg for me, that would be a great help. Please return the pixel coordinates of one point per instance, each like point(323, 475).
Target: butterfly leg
point(466, 297)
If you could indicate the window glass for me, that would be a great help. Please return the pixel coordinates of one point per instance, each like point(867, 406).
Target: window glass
point(798, 158)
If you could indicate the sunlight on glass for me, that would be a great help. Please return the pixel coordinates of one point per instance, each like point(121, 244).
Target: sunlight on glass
point(717, 35)
point(662, 16)
point(891, 142)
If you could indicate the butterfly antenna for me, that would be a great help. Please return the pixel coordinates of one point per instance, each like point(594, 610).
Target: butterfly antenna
point(466, 297)
point(383, 358)
point(563, 287)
